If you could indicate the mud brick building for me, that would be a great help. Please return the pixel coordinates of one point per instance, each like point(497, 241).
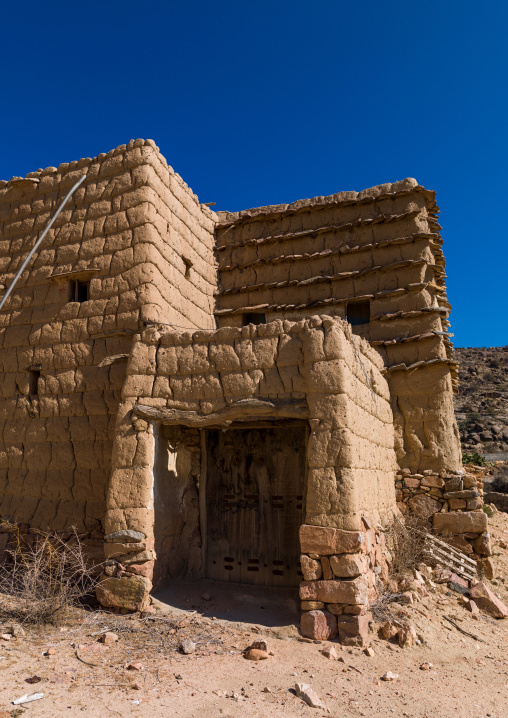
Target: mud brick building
point(244, 396)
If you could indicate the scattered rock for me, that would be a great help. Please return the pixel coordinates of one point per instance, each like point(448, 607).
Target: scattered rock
point(330, 653)
point(407, 636)
point(369, 652)
point(108, 638)
point(260, 644)
point(50, 652)
point(187, 646)
point(389, 676)
point(485, 567)
point(33, 679)
point(487, 601)
point(206, 597)
point(15, 630)
point(426, 666)
point(255, 654)
point(389, 629)
point(307, 694)
point(135, 666)
point(475, 611)
point(5, 636)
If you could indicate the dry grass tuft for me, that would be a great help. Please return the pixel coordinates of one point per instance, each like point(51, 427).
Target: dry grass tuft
point(43, 575)
point(406, 542)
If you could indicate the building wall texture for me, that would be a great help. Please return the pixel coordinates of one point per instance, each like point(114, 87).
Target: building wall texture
point(174, 377)
point(381, 245)
point(125, 230)
point(167, 325)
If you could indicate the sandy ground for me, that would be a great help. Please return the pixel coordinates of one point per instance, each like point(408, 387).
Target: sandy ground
point(469, 677)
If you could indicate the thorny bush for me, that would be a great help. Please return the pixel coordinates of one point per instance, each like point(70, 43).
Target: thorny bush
point(42, 575)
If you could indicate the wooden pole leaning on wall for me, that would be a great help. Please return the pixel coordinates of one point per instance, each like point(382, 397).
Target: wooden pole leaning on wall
point(296, 409)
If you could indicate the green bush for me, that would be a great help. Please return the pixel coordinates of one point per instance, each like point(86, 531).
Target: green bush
point(476, 459)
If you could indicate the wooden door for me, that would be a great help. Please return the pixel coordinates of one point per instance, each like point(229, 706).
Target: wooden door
point(255, 504)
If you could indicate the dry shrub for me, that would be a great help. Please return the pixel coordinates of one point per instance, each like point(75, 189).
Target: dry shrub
point(406, 542)
point(43, 575)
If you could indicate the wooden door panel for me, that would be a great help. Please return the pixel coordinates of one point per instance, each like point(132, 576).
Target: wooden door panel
point(255, 488)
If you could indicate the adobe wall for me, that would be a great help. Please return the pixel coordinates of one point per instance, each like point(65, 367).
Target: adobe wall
point(315, 362)
point(382, 245)
point(126, 230)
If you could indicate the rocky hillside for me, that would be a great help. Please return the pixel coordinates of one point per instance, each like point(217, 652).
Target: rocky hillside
point(481, 406)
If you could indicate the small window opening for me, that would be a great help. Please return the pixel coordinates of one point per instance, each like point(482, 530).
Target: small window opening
point(253, 318)
point(33, 382)
point(79, 291)
point(358, 312)
point(188, 264)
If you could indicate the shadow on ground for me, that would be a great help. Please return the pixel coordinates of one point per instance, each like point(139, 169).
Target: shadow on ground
point(260, 605)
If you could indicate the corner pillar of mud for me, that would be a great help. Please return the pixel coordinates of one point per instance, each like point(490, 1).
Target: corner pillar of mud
point(349, 497)
point(431, 483)
point(129, 542)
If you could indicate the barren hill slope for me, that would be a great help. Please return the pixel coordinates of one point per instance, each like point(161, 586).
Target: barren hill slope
point(481, 406)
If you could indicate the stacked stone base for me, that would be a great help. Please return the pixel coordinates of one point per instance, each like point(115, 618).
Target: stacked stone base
point(126, 582)
point(340, 570)
point(453, 502)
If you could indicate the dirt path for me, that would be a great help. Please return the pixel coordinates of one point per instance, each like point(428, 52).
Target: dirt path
point(469, 677)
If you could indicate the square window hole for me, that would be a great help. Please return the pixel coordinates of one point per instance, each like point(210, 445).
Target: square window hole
point(358, 312)
point(79, 291)
point(253, 318)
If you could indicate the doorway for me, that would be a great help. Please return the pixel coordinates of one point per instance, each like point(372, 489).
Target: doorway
point(255, 488)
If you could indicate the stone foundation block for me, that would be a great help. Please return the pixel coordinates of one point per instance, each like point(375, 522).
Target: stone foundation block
point(354, 630)
point(349, 565)
point(318, 625)
point(460, 523)
point(423, 505)
point(312, 605)
point(354, 591)
point(112, 550)
point(131, 593)
point(311, 568)
point(326, 541)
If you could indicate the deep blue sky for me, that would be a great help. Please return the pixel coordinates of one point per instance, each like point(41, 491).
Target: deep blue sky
point(266, 102)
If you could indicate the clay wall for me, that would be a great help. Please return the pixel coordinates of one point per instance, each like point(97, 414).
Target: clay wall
point(127, 231)
point(315, 362)
point(381, 245)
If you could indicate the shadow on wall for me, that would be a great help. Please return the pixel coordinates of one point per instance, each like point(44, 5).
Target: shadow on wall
point(176, 503)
